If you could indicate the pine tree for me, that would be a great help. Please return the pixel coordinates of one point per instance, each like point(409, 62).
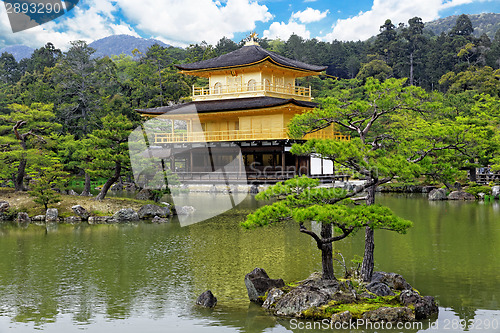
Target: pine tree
point(108, 148)
point(24, 131)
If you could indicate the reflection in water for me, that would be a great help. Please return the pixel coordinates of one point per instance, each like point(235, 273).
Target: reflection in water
point(136, 277)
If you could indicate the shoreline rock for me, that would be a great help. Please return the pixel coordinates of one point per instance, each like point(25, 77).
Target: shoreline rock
point(4, 206)
point(52, 215)
point(23, 219)
point(99, 219)
point(437, 194)
point(80, 211)
point(126, 215)
point(150, 211)
point(461, 195)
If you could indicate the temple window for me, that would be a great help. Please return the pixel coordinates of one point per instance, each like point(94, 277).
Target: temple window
point(252, 85)
point(267, 85)
point(218, 88)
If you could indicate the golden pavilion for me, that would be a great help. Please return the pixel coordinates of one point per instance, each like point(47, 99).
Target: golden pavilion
point(251, 96)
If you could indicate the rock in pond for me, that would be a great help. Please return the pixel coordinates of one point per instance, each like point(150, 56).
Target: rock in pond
point(342, 317)
point(80, 211)
point(258, 283)
point(273, 296)
point(380, 289)
point(460, 195)
point(207, 299)
point(310, 294)
point(424, 306)
point(393, 280)
point(437, 194)
point(315, 298)
point(389, 314)
point(126, 215)
point(150, 211)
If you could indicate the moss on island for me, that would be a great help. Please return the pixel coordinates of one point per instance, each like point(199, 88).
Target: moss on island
point(387, 297)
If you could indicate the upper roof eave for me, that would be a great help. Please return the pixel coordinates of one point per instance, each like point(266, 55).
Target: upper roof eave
point(205, 70)
point(228, 105)
point(247, 56)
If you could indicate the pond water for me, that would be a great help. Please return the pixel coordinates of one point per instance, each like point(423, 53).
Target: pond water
point(144, 277)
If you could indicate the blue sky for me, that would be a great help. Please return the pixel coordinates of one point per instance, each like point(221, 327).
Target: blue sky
point(182, 22)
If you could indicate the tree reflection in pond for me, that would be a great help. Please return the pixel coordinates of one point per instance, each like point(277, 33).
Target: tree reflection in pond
point(124, 277)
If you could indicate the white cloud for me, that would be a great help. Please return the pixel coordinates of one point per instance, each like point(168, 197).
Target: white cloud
point(310, 15)
point(366, 24)
point(454, 3)
point(96, 21)
point(195, 20)
point(180, 22)
point(284, 30)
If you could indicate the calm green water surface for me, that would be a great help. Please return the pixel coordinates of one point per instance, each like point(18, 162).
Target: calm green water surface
point(146, 278)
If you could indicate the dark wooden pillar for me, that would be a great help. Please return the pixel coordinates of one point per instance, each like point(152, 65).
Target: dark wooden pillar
point(191, 161)
point(283, 166)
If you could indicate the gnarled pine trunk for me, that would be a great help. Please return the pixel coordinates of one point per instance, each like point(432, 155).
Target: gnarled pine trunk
point(86, 188)
point(110, 181)
point(368, 260)
point(21, 172)
point(327, 252)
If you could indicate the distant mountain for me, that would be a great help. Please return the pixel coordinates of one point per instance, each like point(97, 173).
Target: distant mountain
point(118, 44)
point(18, 51)
point(487, 23)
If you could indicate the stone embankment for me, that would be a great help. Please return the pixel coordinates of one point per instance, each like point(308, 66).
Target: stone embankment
point(154, 213)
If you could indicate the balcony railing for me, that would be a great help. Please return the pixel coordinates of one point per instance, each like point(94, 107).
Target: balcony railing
point(243, 135)
point(221, 90)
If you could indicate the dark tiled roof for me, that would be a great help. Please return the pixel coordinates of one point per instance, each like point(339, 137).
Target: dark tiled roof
point(226, 105)
point(248, 55)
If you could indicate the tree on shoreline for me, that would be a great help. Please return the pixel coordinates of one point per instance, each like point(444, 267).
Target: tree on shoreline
point(108, 148)
point(46, 177)
point(30, 126)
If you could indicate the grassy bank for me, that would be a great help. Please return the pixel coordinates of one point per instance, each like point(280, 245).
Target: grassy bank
point(22, 202)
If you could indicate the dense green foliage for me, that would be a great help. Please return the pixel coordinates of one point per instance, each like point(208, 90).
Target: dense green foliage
point(301, 200)
point(436, 92)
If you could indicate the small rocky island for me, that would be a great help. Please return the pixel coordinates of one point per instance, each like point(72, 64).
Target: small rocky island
point(388, 298)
